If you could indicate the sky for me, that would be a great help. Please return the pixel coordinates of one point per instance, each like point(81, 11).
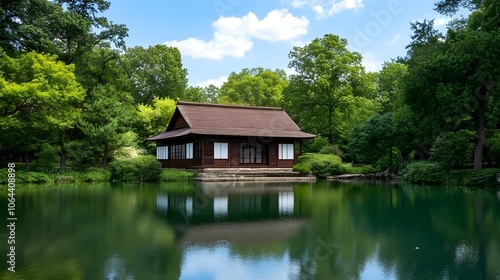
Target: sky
point(217, 37)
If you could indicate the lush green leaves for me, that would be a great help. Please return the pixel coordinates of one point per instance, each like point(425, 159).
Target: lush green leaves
point(155, 72)
point(108, 114)
point(258, 87)
point(330, 92)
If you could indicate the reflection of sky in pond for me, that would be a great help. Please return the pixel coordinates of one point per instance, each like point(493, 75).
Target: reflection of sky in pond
point(217, 262)
point(374, 270)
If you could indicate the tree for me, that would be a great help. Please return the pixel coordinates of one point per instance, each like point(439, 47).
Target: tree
point(38, 95)
point(390, 82)
point(153, 119)
point(452, 80)
point(68, 28)
point(257, 86)
point(108, 113)
point(155, 72)
point(373, 140)
point(330, 92)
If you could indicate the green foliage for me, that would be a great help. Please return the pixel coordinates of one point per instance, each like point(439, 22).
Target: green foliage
point(364, 169)
point(153, 118)
point(138, 169)
point(373, 140)
point(65, 28)
point(478, 178)
point(56, 176)
point(331, 93)
point(155, 72)
point(323, 168)
point(453, 149)
point(332, 149)
point(444, 96)
point(390, 82)
point(423, 172)
point(493, 145)
point(107, 116)
point(258, 87)
point(320, 165)
point(47, 158)
point(315, 145)
point(172, 175)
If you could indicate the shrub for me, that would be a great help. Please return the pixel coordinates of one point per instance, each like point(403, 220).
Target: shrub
point(493, 146)
point(138, 169)
point(453, 149)
point(323, 168)
point(332, 149)
point(320, 165)
point(475, 178)
point(424, 172)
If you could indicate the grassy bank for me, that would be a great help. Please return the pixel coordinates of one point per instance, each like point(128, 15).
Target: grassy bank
point(142, 169)
point(59, 176)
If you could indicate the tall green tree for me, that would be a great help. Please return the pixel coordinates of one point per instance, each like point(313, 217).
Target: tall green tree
point(452, 81)
point(108, 114)
point(390, 85)
point(68, 28)
point(155, 72)
point(257, 86)
point(373, 141)
point(330, 92)
point(38, 95)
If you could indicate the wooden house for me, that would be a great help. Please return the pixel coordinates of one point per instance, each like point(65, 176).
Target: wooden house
point(202, 135)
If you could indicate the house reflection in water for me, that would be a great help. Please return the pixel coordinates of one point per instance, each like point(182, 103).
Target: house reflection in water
point(218, 204)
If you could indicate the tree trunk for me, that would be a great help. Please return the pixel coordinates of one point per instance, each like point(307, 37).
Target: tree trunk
point(62, 152)
point(105, 157)
point(481, 135)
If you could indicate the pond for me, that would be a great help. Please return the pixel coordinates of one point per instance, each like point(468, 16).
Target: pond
point(324, 230)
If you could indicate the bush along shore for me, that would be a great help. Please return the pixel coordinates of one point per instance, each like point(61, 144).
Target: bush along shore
point(138, 169)
point(325, 166)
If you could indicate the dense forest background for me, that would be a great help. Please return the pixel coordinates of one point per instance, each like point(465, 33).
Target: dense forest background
point(72, 94)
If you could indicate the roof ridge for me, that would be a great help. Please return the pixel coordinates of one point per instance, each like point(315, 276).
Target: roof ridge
point(228, 105)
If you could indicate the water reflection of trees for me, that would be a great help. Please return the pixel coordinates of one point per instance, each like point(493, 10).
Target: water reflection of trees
point(412, 232)
point(92, 232)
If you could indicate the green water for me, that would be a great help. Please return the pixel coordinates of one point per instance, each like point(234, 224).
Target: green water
point(253, 231)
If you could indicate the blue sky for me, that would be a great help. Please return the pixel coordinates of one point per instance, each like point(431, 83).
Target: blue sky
point(217, 37)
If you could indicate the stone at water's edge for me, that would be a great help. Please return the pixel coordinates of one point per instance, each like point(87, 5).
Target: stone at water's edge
point(498, 177)
point(369, 176)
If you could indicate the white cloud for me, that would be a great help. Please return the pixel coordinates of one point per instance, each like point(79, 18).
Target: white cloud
point(233, 35)
point(299, 3)
point(216, 82)
point(440, 21)
point(395, 39)
point(326, 8)
point(371, 63)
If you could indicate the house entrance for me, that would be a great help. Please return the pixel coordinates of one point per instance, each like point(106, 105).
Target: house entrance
point(252, 153)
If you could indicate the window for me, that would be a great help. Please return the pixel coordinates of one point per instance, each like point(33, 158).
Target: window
point(252, 153)
point(189, 150)
point(178, 152)
point(220, 150)
point(162, 152)
point(286, 151)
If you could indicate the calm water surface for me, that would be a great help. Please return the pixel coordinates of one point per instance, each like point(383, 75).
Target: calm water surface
point(254, 231)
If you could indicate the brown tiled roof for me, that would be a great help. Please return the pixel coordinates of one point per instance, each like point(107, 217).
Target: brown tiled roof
point(230, 120)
